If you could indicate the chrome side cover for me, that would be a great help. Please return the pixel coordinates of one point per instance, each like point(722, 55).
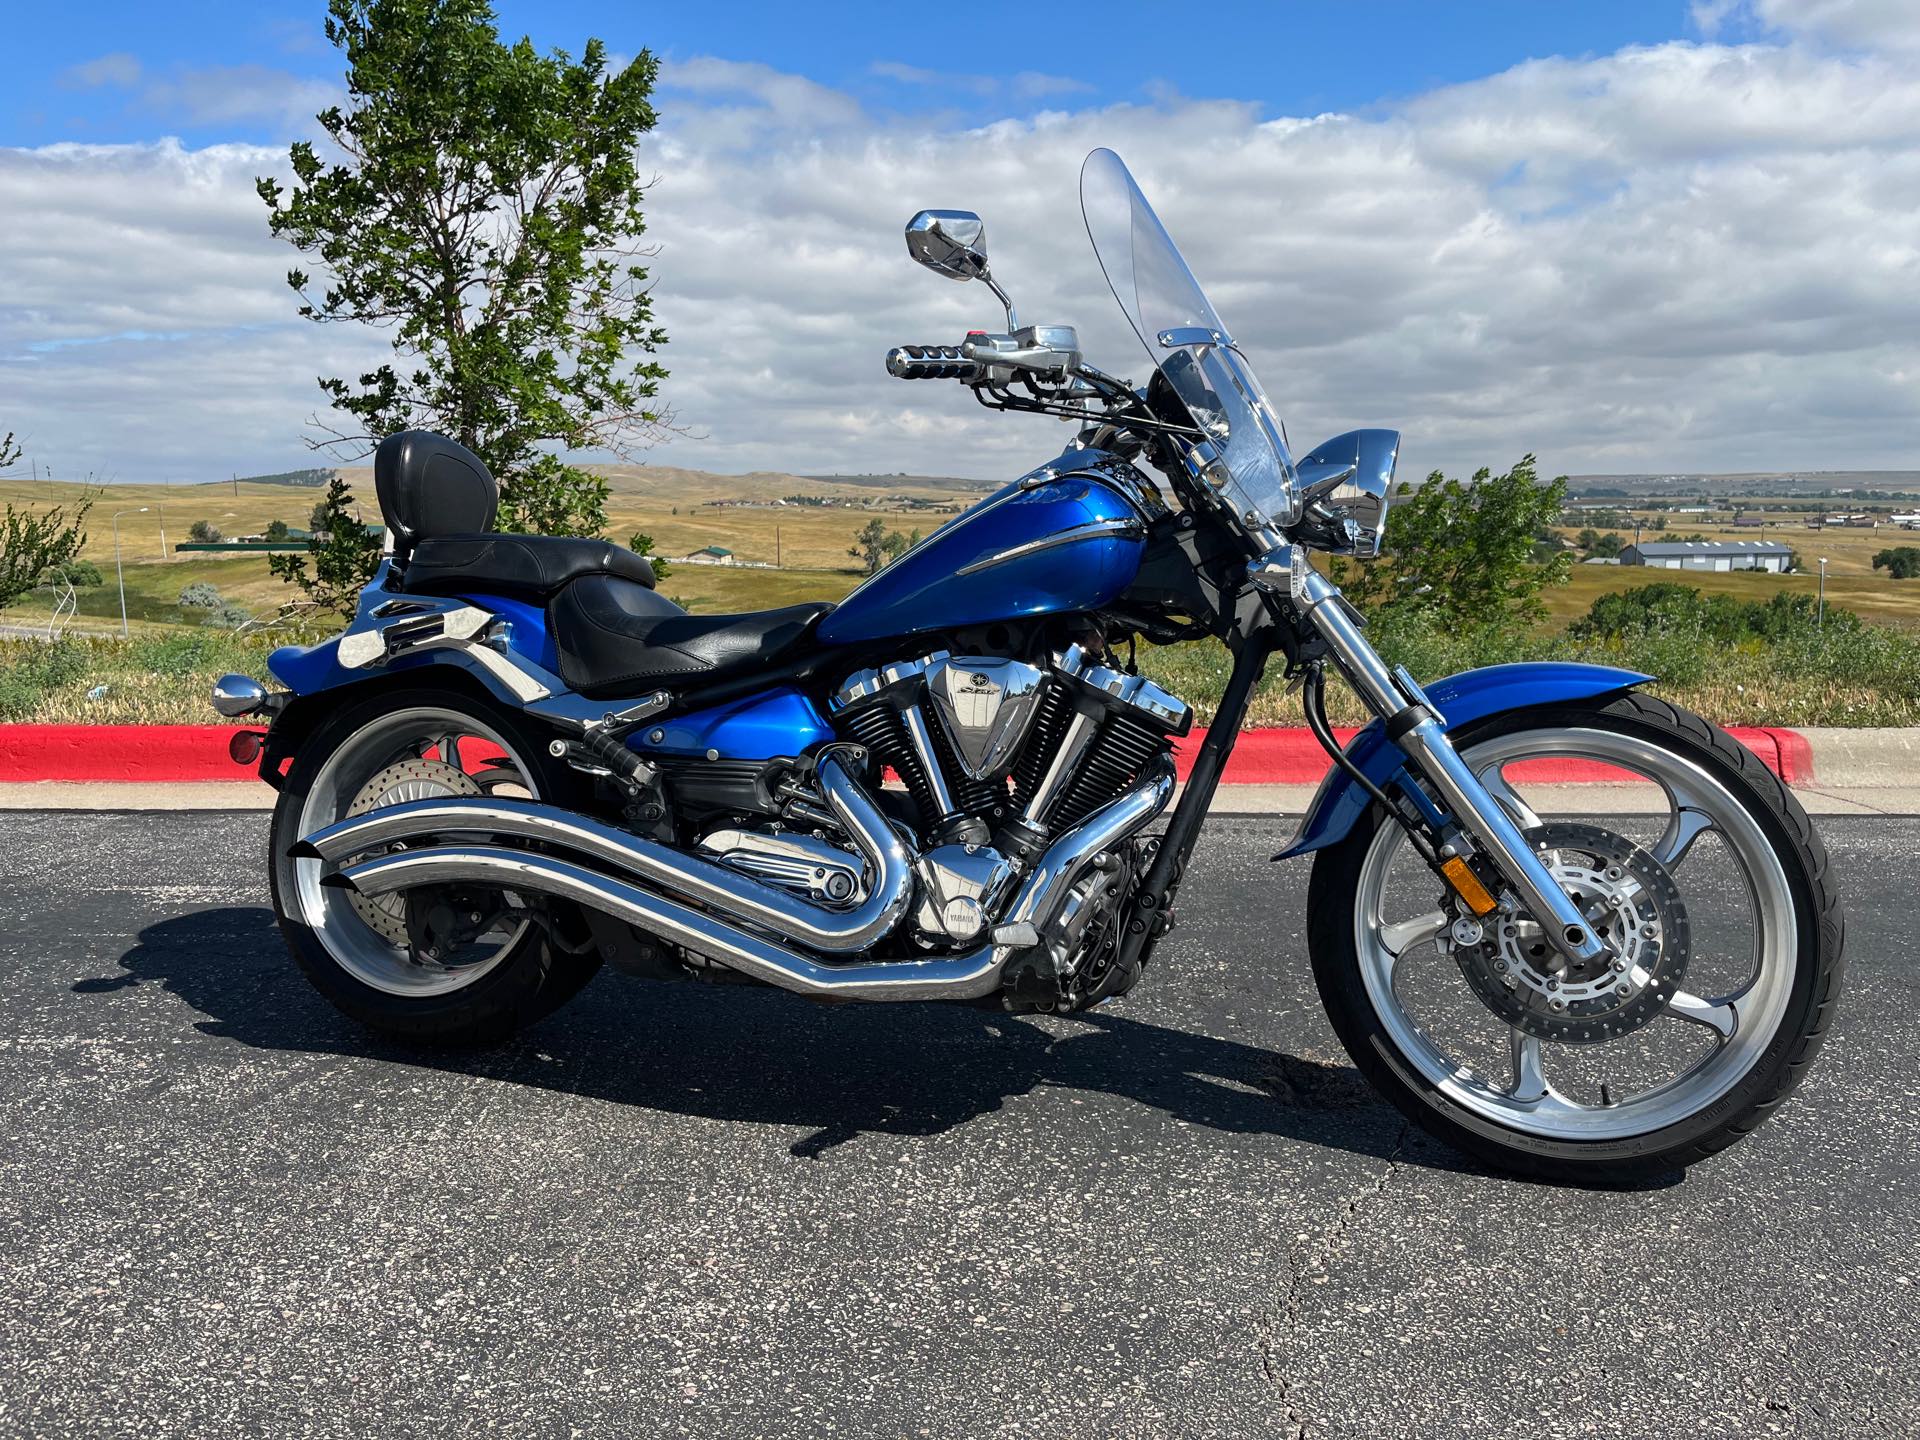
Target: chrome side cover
point(801, 863)
point(986, 706)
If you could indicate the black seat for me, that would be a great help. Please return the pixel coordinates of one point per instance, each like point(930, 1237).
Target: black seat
point(439, 502)
point(615, 636)
point(532, 567)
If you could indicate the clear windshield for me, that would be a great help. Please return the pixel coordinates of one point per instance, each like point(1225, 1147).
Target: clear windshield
point(1190, 345)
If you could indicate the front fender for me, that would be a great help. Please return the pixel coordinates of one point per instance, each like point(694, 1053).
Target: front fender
point(1461, 699)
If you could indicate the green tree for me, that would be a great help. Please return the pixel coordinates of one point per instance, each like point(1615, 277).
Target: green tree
point(317, 517)
point(1464, 554)
point(875, 544)
point(1901, 563)
point(277, 530)
point(81, 574)
point(482, 200)
point(204, 532)
point(345, 552)
point(34, 542)
point(642, 544)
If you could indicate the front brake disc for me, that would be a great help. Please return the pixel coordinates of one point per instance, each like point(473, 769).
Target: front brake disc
point(1629, 898)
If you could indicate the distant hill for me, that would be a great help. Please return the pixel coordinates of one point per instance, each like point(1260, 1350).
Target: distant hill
point(304, 479)
point(903, 481)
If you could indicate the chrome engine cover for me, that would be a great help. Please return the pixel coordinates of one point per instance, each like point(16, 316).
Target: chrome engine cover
point(987, 705)
point(804, 864)
point(961, 889)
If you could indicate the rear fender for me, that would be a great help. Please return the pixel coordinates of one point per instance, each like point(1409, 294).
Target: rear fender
point(1461, 699)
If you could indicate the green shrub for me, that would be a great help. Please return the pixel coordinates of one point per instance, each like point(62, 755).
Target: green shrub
point(200, 595)
point(37, 670)
point(187, 652)
point(81, 574)
point(1665, 608)
point(228, 616)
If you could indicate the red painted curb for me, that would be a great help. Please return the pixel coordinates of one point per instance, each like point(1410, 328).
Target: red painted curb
point(1294, 757)
point(118, 752)
point(1262, 757)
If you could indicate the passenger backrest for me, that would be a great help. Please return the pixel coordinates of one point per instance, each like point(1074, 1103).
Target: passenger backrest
point(428, 485)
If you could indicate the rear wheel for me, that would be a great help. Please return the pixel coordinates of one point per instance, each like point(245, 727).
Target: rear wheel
point(1706, 874)
point(453, 965)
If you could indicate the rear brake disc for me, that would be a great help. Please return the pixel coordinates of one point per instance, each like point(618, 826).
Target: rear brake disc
point(396, 785)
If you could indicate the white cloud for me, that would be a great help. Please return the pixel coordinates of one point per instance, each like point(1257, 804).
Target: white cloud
point(1687, 256)
point(117, 69)
point(209, 95)
point(1852, 24)
point(226, 94)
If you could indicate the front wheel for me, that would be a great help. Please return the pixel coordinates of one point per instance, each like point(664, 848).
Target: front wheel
point(1708, 878)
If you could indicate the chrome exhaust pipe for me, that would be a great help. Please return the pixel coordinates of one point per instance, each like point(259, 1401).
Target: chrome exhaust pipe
point(738, 896)
point(948, 977)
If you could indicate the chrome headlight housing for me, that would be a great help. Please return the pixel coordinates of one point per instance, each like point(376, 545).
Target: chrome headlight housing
point(1345, 485)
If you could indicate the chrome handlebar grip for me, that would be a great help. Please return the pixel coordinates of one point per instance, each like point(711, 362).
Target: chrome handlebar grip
point(931, 362)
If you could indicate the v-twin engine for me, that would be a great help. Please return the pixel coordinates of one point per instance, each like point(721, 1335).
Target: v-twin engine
point(999, 756)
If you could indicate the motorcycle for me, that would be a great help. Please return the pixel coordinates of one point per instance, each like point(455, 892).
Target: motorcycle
point(520, 761)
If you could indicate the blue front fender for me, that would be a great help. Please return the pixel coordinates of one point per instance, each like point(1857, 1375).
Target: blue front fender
point(1461, 699)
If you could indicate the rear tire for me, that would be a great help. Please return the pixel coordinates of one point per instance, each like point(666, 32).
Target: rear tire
point(1816, 957)
point(362, 974)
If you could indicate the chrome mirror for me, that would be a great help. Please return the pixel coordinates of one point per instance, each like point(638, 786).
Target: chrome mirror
point(953, 243)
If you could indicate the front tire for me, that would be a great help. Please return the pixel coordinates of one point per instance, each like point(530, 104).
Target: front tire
point(534, 957)
point(1758, 1040)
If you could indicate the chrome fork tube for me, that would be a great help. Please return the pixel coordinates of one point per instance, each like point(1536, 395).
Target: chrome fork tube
point(1417, 731)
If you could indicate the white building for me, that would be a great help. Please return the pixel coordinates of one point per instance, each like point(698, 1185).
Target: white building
point(1769, 555)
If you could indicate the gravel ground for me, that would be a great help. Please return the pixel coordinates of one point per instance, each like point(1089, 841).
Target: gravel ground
point(676, 1210)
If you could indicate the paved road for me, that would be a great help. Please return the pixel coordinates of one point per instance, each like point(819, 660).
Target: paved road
point(680, 1211)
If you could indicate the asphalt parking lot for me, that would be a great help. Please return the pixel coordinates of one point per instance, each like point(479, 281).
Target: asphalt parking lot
point(674, 1210)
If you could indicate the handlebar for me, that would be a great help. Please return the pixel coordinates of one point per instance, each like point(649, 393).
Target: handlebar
point(931, 362)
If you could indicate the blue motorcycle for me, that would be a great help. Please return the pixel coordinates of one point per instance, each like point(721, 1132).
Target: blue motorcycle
point(521, 761)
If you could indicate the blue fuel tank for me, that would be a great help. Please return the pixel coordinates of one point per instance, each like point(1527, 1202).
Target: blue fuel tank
point(1061, 540)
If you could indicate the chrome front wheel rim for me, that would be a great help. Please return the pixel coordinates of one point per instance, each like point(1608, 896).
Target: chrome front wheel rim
point(1734, 1023)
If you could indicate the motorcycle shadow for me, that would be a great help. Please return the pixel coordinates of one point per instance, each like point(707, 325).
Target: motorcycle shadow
point(763, 1056)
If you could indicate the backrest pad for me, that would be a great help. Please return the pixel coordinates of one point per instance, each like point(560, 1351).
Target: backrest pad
point(429, 485)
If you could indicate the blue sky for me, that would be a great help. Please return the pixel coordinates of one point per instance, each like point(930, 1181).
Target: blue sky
point(1625, 236)
point(1294, 58)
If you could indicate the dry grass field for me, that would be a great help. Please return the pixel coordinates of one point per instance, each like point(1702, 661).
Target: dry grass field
point(675, 506)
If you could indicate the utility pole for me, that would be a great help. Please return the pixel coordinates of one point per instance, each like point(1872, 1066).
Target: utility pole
point(119, 573)
point(1821, 623)
point(776, 547)
point(236, 483)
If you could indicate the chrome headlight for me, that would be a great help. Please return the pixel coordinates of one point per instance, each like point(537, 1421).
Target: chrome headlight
point(1346, 484)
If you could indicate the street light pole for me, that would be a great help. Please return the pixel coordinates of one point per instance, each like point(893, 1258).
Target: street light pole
point(120, 574)
point(1821, 623)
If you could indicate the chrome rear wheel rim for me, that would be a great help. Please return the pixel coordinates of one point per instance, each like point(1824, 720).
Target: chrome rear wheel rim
point(329, 912)
point(1740, 1021)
